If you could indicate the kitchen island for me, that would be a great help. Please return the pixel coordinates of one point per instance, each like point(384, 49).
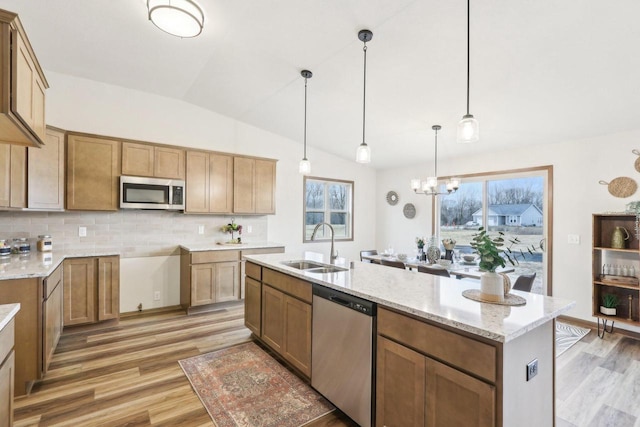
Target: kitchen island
point(441, 358)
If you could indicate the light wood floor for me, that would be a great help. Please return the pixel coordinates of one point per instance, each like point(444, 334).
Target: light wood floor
point(128, 375)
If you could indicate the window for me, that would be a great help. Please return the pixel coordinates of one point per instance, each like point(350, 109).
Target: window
point(330, 201)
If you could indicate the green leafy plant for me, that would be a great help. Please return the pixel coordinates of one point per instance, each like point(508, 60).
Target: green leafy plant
point(610, 300)
point(493, 251)
point(420, 241)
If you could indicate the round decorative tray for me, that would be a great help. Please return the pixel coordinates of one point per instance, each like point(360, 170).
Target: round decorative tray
point(409, 211)
point(392, 198)
point(509, 299)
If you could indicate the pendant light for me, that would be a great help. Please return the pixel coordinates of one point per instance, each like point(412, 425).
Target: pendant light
point(430, 186)
point(468, 128)
point(305, 165)
point(180, 18)
point(363, 154)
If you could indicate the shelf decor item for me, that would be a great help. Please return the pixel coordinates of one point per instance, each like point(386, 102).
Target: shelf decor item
point(232, 228)
point(618, 239)
point(609, 304)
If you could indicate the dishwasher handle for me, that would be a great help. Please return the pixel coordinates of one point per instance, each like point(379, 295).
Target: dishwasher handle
point(338, 300)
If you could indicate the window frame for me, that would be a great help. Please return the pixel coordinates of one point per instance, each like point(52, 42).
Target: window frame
point(327, 210)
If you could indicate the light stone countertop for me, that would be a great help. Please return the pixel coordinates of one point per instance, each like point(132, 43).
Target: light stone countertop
point(435, 298)
point(7, 312)
point(198, 247)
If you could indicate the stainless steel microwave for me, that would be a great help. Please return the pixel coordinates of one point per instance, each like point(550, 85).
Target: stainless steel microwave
point(151, 193)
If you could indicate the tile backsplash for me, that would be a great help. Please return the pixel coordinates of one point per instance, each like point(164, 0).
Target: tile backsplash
point(131, 233)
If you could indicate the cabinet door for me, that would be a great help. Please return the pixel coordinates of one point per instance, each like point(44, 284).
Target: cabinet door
point(297, 334)
point(108, 288)
point(220, 183)
point(197, 183)
point(227, 281)
point(457, 399)
point(265, 186)
point(169, 163)
point(137, 159)
point(79, 291)
point(7, 374)
point(46, 173)
point(273, 318)
point(202, 284)
point(5, 175)
point(93, 168)
point(243, 185)
point(52, 315)
point(252, 304)
point(400, 385)
point(18, 177)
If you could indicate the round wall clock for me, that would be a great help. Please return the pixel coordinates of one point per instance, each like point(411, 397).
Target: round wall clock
point(409, 210)
point(392, 198)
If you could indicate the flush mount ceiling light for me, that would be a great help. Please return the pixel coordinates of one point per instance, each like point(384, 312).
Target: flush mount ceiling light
point(305, 165)
point(430, 186)
point(468, 127)
point(181, 18)
point(363, 154)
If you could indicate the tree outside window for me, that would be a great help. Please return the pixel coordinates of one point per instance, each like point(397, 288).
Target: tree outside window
point(327, 200)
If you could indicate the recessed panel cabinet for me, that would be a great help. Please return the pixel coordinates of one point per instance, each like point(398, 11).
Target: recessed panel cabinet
point(22, 86)
point(209, 182)
point(254, 185)
point(7, 373)
point(52, 315)
point(13, 176)
point(46, 173)
point(93, 170)
point(152, 160)
point(91, 290)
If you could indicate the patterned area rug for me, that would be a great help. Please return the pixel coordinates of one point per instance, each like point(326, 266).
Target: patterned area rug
point(244, 386)
point(567, 335)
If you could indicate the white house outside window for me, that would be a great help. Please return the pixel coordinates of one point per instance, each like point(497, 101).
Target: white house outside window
point(331, 201)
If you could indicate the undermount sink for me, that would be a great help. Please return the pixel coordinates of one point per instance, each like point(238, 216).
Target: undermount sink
point(303, 265)
point(323, 270)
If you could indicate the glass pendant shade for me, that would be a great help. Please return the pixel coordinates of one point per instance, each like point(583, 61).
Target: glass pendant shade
point(305, 167)
point(181, 18)
point(363, 154)
point(468, 129)
point(415, 184)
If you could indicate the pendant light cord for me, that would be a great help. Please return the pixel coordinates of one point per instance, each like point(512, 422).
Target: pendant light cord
point(305, 119)
point(468, 49)
point(364, 93)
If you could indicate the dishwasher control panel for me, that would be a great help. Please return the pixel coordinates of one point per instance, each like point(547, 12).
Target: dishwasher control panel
point(349, 301)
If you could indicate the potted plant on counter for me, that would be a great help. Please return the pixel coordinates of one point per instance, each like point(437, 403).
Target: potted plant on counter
point(609, 304)
point(231, 228)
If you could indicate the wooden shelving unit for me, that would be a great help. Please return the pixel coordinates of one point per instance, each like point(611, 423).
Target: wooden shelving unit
point(626, 288)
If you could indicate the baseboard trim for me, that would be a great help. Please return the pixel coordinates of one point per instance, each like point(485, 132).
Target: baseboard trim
point(151, 311)
point(593, 325)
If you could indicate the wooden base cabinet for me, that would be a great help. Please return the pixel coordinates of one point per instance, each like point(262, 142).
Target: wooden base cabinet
point(91, 290)
point(252, 305)
point(7, 373)
point(52, 314)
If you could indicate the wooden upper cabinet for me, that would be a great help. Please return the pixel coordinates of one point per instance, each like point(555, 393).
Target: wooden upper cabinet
point(22, 86)
point(93, 168)
point(197, 182)
point(46, 173)
point(254, 185)
point(151, 160)
point(220, 183)
point(13, 176)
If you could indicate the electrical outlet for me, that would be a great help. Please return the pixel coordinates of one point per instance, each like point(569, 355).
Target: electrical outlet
point(201, 229)
point(532, 369)
point(82, 231)
point(573, 239)
point(156, 296)
point(249, 229)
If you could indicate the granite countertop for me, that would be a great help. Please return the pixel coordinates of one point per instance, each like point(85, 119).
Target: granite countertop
point(434, 298)
point(7, 312)
point(197, 247)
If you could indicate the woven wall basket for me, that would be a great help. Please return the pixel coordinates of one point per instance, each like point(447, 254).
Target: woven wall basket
point(621, 186)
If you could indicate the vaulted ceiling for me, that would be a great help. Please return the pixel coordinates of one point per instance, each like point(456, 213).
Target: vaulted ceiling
point(541, 71)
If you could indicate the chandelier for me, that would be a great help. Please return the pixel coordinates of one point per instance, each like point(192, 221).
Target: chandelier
point(429, 187)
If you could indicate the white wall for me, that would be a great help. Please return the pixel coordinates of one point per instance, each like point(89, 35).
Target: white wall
point(87, 106)
point(577, 168)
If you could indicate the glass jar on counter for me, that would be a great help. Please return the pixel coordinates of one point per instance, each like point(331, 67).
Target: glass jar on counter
point(20, 246)
point(5, 248)
point(45, 244)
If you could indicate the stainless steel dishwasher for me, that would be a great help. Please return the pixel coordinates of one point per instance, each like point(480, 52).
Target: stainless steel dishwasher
point(342, 349)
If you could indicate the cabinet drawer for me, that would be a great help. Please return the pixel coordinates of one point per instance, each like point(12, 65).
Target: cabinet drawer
point(462, 352)
point(253, 270)
point(276, 250)
point(214, 256)
point(7, 336)
point(52, 281)
point(290, 285)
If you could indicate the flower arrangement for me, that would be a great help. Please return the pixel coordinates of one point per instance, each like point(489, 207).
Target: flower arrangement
point(420, 242)
point(231, 228)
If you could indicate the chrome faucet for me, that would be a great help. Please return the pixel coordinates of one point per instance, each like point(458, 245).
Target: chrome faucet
point(332, 256)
